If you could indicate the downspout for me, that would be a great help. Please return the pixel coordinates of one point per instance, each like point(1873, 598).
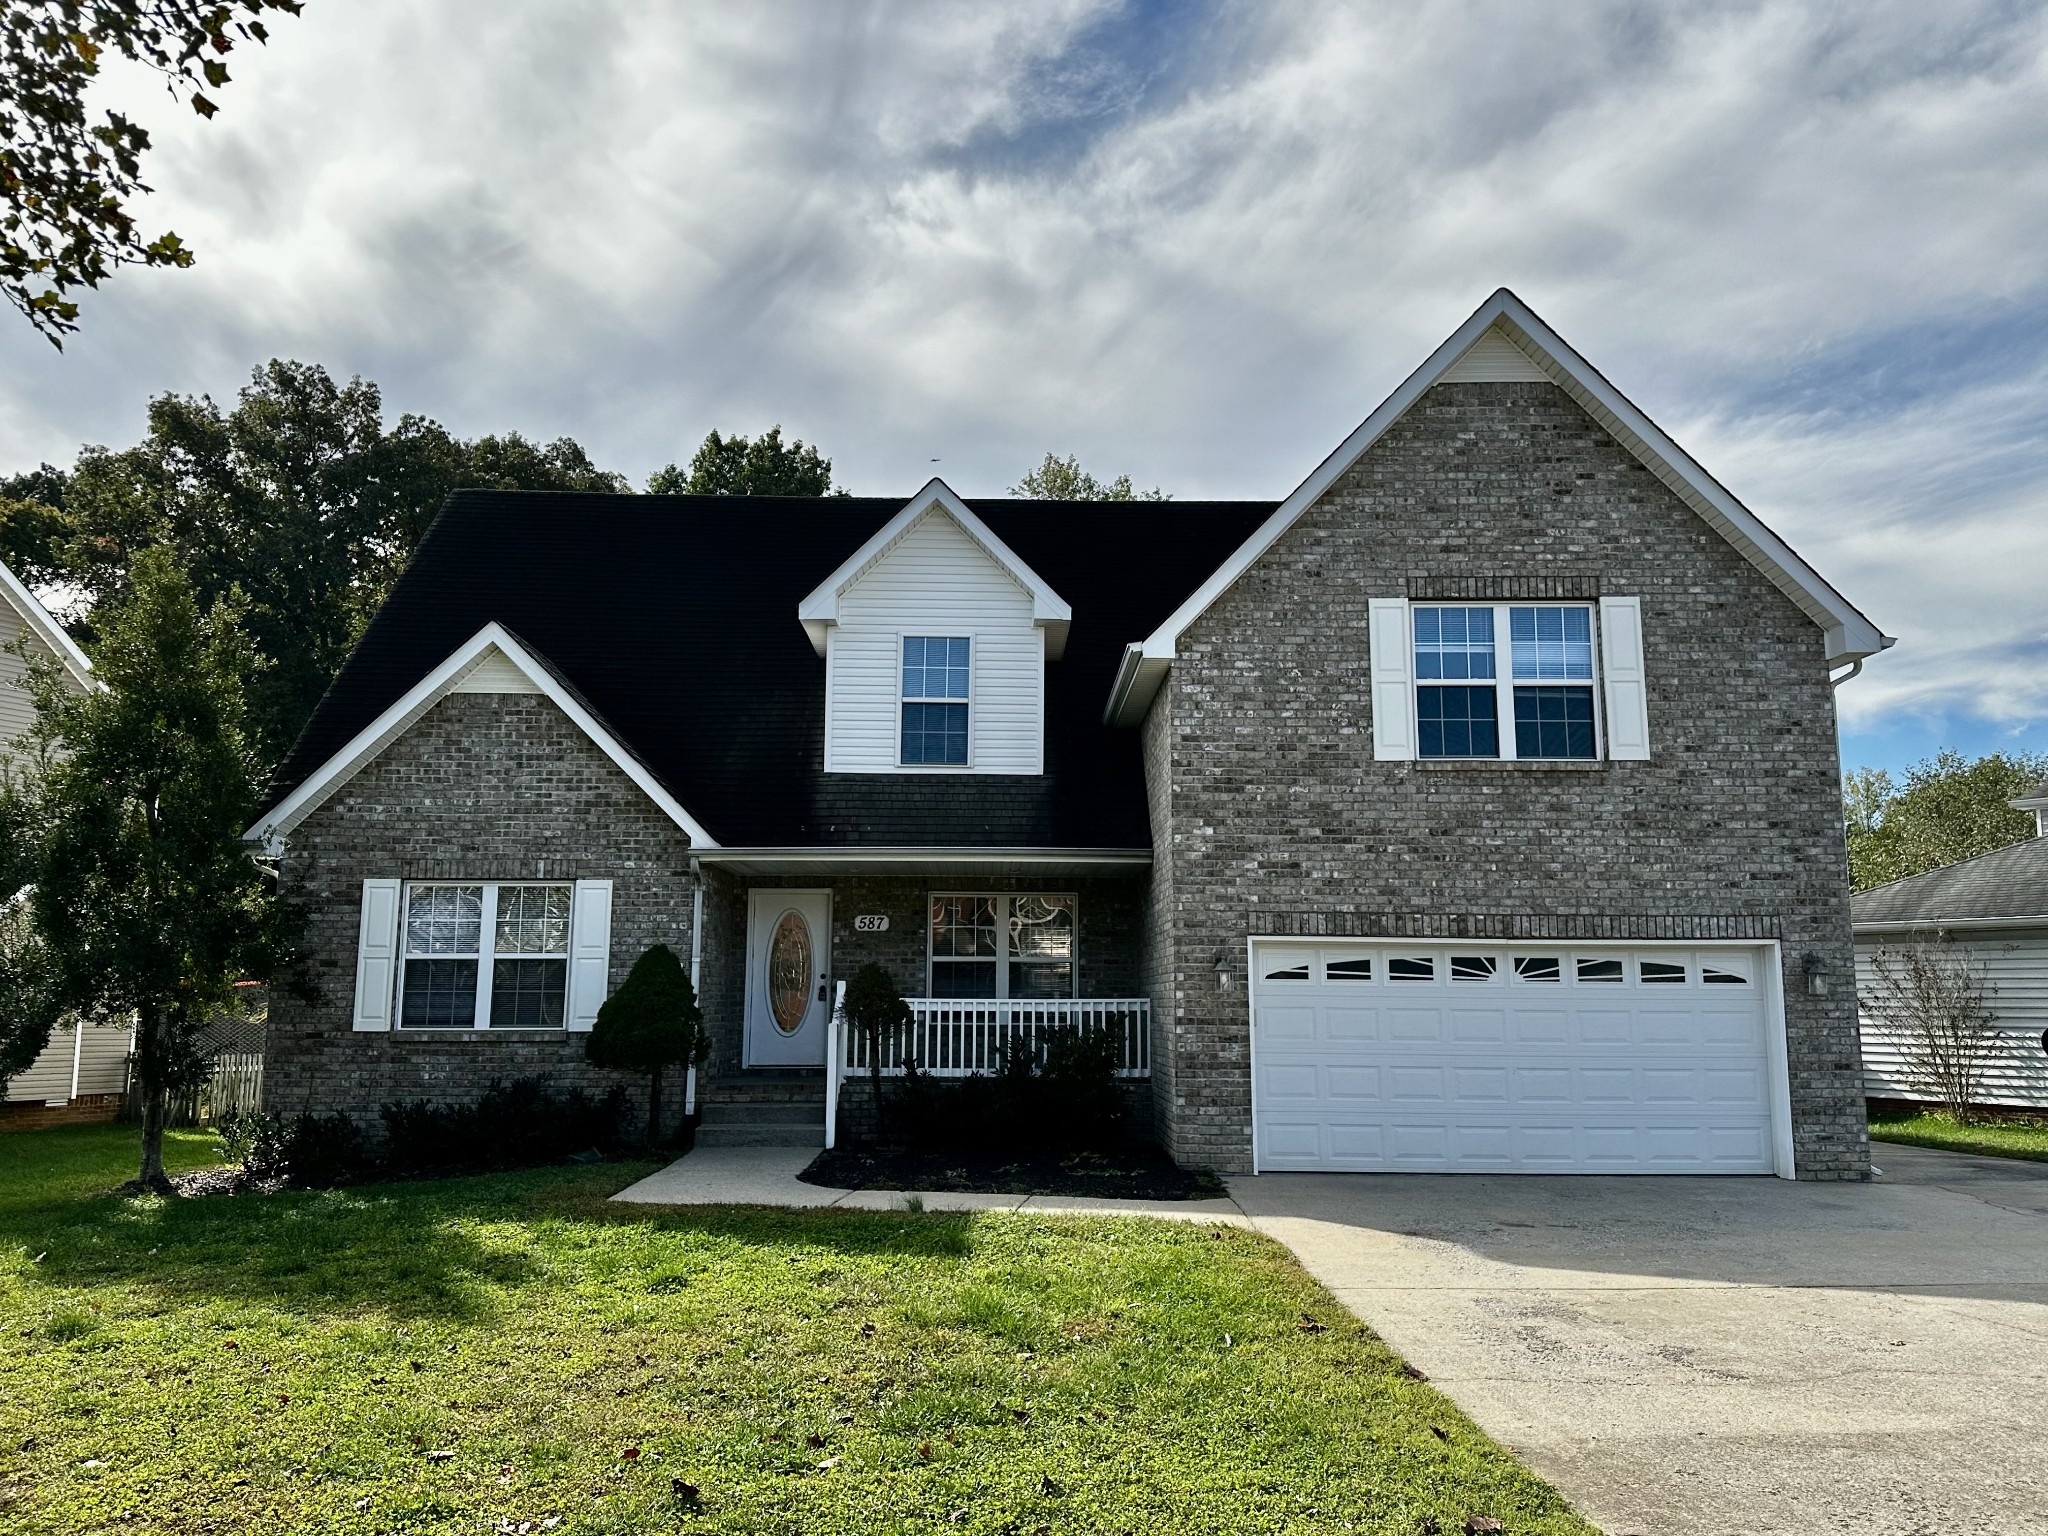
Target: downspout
point(696, 968)
point(1854, 667)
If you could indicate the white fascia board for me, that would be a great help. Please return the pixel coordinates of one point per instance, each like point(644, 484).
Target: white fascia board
point(47, 629)
point(1049, 610)
point(369, 742)
point(1945, 924)
point(1848, 633)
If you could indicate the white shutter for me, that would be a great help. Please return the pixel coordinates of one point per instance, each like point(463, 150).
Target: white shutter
point(590, 951)
point(1621, 671)
point(377, 954)
point(1393, 686)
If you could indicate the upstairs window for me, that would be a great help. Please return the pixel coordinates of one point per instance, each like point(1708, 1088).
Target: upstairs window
point(1543, 695)
point(935, 700)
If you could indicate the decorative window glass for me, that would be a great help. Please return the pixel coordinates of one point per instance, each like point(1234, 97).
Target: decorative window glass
point(1289, 973)
point(1600, 970)
point(1717, 976)
point(1003, 946)
point(1537, 968)
point(1664, 972)
point(1348, 970)
point(935, 675)
point(1540, 705)
point(451, 931)
point(1472, 967)
point(1405, 968)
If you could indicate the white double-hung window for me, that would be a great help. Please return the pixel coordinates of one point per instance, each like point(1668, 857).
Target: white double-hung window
point(937, 670)
point(492, 956)
point(1508, 681)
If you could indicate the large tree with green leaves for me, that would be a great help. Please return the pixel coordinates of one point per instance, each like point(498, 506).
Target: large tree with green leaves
point(1058, 479)
point(299, 496)
point(68, 176)
point(145, 901)
point(1950, 807)
point(739, 466)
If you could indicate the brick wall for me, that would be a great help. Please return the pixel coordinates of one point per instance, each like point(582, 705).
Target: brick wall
point(484, 787)
point(1281, 821)
point(86, 1109)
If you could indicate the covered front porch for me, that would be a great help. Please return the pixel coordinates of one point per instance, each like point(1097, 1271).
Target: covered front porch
point(988, 948)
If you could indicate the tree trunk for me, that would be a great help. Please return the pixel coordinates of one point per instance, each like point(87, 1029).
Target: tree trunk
point(654, 1108)
point(156, 1108)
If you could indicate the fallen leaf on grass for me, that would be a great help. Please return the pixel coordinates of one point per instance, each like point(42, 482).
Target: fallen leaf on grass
point(815, 1441)
point(1440, 1432)
point(924, 1451)
point(630, 1453)
point(1411, 1372)
point(685, 1493)
point(440, 1455)
point(1309, 1324)
point(829, 1463)
point(1480, 1525)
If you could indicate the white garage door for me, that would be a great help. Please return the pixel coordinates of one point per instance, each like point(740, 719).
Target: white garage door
point(1393, 1057)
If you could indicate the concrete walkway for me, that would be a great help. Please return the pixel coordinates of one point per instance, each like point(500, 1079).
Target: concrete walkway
point(1683, 1355)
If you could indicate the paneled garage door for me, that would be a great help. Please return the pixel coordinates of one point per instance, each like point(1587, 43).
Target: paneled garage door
point(1395, 1057)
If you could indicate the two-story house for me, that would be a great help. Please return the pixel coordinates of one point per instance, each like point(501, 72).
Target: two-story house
point(1472, 808)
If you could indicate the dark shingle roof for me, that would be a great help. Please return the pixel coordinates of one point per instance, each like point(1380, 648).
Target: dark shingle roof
point(2010, 882)
point(675, 618)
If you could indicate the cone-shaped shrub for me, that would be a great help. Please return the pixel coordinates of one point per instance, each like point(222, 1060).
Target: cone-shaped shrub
point(650, 1024)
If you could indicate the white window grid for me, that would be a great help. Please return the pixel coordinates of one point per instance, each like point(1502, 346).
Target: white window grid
point(1004, 955)
point(1504, 681)
point(905, 696)
point(487, 951)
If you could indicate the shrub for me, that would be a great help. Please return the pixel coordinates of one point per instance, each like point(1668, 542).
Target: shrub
point(650, 1024)
point(1059, 1098)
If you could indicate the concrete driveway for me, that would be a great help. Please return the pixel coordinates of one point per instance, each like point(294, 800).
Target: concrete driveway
point(1720, 1355)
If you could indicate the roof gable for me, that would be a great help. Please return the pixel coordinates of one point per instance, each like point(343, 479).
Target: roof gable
point(17, 596)
point(820, 610)
point(1503, 341)
point(489, 662)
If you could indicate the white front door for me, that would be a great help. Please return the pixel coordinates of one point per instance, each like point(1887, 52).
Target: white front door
point(789, 971)
point(1398, 1056)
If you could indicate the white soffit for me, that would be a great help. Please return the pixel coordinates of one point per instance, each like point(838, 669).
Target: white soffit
point(1049, 610)
point(490, 652)
point(1500, 339)
point(47, 629)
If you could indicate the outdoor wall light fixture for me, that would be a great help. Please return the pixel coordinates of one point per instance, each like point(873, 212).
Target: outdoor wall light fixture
point(1222, 971)
point(1816, 974)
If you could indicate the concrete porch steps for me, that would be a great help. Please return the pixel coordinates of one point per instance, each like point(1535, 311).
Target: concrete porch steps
point(774, 1108)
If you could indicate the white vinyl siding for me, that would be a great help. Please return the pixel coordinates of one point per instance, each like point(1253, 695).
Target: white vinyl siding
point(496, 674)
point(17, 714)
point(1495, 359)
point(2015, 969)
point(934, 580)
point(96, 1056)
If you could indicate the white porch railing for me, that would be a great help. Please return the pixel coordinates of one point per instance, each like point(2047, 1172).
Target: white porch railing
point(957, 1037)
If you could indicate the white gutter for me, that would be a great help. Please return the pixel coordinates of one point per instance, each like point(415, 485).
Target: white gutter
point(2039, 920)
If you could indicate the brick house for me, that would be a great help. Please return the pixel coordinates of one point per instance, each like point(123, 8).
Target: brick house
point(1475, 807)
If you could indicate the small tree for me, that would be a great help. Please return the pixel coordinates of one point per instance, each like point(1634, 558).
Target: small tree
point(877, 1011)
point(1930, 999)
point(650, 1024)
point(146, 903)
point(1058, 479)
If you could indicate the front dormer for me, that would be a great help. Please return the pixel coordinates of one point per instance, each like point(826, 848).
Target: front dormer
point(935, 637)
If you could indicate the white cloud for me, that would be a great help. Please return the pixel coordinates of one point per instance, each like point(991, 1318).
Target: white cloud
point(1197, 246)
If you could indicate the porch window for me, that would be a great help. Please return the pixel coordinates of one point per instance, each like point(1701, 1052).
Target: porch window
point(485, 957)
point(1019, 946)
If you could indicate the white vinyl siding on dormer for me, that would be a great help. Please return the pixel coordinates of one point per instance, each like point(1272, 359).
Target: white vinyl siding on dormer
point(934, 580)
point(17, 710)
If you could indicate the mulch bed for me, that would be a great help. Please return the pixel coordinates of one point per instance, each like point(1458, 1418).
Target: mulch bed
point(1130, 1173)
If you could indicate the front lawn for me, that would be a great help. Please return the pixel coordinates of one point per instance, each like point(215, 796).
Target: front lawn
point(2002, 1138)
point(511, 1354)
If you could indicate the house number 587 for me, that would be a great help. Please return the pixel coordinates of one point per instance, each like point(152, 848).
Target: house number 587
point(871, 922)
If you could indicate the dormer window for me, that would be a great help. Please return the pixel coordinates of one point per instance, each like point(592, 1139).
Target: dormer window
point(936, 669)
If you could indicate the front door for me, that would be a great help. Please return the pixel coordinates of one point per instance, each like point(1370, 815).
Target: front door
point(789, 970)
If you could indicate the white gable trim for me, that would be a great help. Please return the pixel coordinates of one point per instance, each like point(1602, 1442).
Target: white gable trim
point(47, 629)
point(492, 641)
point(1049, 611)
point(1849, 634)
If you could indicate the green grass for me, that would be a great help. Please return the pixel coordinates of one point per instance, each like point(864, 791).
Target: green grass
point(1999, 1139)
point(474, 1354)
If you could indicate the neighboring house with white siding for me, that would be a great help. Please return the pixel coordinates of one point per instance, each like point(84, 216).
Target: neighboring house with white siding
point(1994, 910)
point(82, 1074)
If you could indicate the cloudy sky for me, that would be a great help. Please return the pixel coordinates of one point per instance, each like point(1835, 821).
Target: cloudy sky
point(1192, 243)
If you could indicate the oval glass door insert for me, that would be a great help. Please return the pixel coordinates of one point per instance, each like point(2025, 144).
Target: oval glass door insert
point(789, 972)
